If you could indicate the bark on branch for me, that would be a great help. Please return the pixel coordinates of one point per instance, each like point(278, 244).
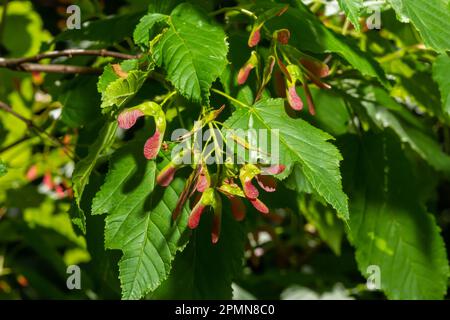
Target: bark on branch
point(29, 64)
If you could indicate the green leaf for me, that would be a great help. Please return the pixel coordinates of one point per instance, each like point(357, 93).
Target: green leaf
point(121, 90)
point(80, 101)
point(139, 220)
point(426, 146)
point(308, 33)
point(299, 143)
point(389, 225)
point(330, 228)
point(430, 17)
point(106, 31)
point(193, 51)
point(84, 168)
point(441, 72)
point(352, 9)
point(3, 168)
point(145, 27)
point(196, 270)
point(331, 112)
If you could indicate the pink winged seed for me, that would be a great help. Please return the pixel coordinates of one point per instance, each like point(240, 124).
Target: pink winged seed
point(127, 119)
point(250, 190)
point(273, 170)
point(244, 73)
point(260, 206)
point(152, 146)
point(294, 100)
point(194, 218)
point(255, 37)
point(267, 183)
point(215, 231)
point(166, 176)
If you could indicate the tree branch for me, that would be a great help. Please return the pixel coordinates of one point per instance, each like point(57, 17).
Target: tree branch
point(53, 68)
point(30, 124)
point(28, 64)
point(15, 143)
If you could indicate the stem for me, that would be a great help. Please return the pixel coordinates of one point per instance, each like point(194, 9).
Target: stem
point(54, 68)
point(170, 95)
point(237, 8)
point(15, 143)
point(67, 53)
point(223, 94)
point(346, 26)
point(180, 118)
point(30, 124)
point(29, 64)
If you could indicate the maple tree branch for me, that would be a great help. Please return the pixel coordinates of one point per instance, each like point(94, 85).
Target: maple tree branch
point(53, 68)
point(30, 124)
point(29, 64)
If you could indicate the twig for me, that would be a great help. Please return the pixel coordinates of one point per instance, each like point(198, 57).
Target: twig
point(15, 143)
point(28, 64)
point(53, 68)
point(30, 124)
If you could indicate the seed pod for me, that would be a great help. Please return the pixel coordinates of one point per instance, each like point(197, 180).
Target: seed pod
point(316, 67)
point(207, 199)
point(204, 180)
point(267, 183)
point(282, 36)
point(294, 100)
point(259, 205)
point(273, 170)
point(255, 36)
point(244, 72)
point(166, 175)
point(246, 175)
point(128, 118)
